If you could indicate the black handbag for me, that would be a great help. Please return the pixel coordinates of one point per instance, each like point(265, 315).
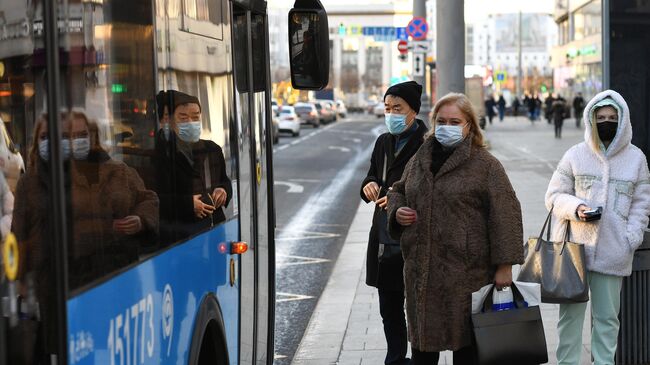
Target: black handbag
point(559, 267)
point(388, 247)
point(509, 337)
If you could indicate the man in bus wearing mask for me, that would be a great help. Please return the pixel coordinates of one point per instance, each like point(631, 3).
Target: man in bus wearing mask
point(193, 196)
point(384, 263)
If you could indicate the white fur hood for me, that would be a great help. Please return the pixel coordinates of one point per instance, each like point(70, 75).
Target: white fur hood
point(616, 179)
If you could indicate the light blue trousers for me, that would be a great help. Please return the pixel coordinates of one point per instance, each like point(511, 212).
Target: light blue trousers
point(605, 299)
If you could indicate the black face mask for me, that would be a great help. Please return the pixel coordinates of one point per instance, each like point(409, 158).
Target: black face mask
point(607, 130)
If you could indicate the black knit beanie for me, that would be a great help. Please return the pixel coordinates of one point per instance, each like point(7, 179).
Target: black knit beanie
point(410, 91)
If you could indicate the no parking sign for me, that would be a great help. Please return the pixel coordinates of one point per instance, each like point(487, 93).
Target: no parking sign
point(417, 28)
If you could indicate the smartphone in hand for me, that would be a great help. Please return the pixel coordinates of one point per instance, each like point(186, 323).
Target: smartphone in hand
point(593, 215)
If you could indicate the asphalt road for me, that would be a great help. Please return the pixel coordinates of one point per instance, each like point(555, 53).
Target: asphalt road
point(317, 182)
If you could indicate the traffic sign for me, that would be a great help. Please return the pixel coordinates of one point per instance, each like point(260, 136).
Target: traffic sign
point(418, 64)
point(501, 76)
point(417, 28)
point(402, 46)
point(419, 46)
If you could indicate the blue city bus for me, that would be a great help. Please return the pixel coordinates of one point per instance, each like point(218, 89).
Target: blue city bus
point(141, 228)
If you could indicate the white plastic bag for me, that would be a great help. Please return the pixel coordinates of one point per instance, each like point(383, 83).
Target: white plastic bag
point(530, 291)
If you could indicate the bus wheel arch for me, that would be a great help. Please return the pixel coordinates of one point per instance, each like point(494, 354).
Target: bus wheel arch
point(209, 344)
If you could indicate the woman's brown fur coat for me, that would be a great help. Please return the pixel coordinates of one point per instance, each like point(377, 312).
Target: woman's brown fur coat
point(468, 222)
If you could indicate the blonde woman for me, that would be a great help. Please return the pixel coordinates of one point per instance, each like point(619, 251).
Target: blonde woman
point(605, 171)
point(459, 224)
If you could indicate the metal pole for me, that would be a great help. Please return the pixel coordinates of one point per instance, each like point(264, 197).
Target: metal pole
point(57, 191)
point(450, 46)
point(520, 72)
point(420, 10)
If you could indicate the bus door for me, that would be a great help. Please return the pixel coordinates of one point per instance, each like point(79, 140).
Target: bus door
point(257, 269)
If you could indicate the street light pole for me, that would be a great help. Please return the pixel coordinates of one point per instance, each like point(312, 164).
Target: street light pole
point(520, 72)
point(450, 46)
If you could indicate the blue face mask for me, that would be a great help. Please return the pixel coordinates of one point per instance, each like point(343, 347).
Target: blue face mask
point(190, 131)
point(396, 123)
point(449, 135)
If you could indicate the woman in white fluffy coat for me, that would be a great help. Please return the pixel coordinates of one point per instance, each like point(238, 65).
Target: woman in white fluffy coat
point(606, 171)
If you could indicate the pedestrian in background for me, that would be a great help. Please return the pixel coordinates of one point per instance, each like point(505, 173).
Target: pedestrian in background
point(538, 106)
point(558, 112)
point(530, 104)
point(490, 105)
point(548, 108)
point(459, 224)
point(501, 105)
point(384, 263)
point(515, 106)
point(606, 171)
point(578, 108)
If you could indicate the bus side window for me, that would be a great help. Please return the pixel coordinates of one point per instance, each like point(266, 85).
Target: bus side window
point(195, 151)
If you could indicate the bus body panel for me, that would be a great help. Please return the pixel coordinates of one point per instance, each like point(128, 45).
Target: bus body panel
point(146, 315)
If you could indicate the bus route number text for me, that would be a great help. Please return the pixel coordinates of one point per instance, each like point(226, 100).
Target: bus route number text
point(131, 334)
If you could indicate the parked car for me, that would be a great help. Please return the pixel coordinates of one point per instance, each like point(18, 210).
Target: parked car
point(11, 161)
point(378, 110)
point(341, 109)
point(275, 131)
point(308, 114)
point(324, 113)
point(289, 121)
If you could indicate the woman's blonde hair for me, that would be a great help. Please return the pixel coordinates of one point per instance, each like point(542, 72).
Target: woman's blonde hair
point(461, 101)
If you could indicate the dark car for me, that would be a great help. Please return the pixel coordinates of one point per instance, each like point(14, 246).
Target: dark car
point(308, 114)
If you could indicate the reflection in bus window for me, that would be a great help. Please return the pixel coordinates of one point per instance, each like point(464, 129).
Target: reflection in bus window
point(114, 217)
point(192, 182)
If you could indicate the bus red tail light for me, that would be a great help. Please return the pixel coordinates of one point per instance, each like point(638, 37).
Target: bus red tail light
point(238, 248)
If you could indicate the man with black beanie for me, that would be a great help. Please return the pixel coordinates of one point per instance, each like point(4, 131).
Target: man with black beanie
point(384, 263)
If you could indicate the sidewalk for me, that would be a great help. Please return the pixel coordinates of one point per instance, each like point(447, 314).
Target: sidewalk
point(346, 327)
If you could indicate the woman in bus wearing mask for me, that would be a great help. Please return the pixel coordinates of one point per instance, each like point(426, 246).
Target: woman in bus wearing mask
point(110, 215)
point(459, 224)
point(195, 187)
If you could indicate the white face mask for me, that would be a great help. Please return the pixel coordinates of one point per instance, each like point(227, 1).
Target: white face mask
point(449, 135)
point(80, 148)
point(44, 149)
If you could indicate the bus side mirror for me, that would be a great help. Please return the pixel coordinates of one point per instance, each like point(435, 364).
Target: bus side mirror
point(309, 46)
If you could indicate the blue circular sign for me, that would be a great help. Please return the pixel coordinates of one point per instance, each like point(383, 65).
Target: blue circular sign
point(417, 28)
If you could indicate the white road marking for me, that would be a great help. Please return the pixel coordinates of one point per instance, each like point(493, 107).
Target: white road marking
point(290, 297)
point(305, 180)
point(355, 140)
point(342, 149)
point(293, 187)
point(284, 261)
point(286, 235)
point(310, 213)
point(278, 357)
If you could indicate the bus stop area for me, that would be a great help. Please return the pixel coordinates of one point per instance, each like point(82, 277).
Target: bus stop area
point(346, 327)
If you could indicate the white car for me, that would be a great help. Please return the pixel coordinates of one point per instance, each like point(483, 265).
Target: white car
point(11, 162)
point(289, 121)
point(378, 110)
